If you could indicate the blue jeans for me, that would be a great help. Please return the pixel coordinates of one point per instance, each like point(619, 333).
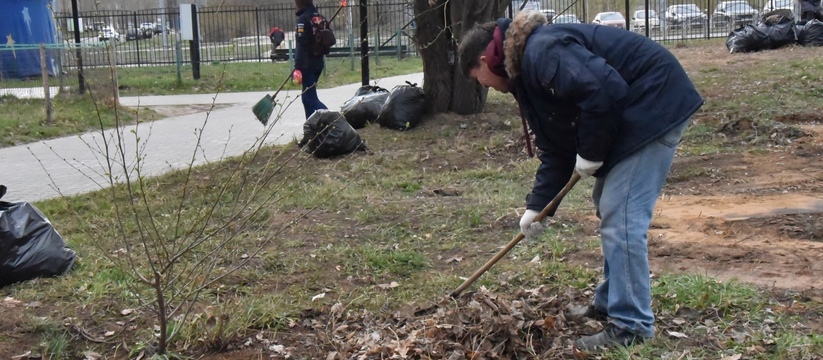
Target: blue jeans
point(625, 200)
point(309, 96)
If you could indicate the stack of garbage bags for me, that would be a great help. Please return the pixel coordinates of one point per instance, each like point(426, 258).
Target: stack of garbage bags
point(364, 108)
point(776, 29)
point(331, 133)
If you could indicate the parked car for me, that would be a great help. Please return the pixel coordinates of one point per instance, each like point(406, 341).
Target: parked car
point(108, 33)
point(134, 34)
point(772, 5)
point(566, 19)
point(147, 29)
point(550, 14)
point(610, 18)
point(685, 16)
point(733, 14)
point(639, 21)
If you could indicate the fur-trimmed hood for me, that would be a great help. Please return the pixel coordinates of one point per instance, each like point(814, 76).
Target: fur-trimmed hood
point(517, 33)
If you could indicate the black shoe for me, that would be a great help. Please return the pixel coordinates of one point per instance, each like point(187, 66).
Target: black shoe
point(610, 337)
point(590, 312)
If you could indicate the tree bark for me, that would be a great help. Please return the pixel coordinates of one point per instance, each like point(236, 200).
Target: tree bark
point(440, 25)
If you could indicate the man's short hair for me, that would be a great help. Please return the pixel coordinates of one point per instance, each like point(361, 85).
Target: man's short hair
point(302, 4)
point(473, 44)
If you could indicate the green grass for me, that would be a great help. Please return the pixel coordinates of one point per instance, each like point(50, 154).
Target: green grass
point(24, 121)
point(260, 76)
point(376, 220)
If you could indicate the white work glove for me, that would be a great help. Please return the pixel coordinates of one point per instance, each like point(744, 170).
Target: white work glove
point(585, 167)
point(528, 226)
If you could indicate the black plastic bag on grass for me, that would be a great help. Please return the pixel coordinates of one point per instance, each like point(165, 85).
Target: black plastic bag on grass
point(404, 109)
point(779, 35)
point(810, 34)
point(29, 246)
point(327, 133)
point(747, 39)
point(364, 107)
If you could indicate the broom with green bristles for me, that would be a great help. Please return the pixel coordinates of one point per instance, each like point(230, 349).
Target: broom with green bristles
point(263, 109)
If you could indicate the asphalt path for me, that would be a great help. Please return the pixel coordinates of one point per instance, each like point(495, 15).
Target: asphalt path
point(78, 164)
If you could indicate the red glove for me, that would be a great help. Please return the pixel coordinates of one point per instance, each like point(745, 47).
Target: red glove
point(297, 77)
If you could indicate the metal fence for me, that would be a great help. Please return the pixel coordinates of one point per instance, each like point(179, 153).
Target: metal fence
point(148, 37)
point(666, 20)
point(152, 37)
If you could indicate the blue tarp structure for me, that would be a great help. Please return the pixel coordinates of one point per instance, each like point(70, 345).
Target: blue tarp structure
point(24, 24)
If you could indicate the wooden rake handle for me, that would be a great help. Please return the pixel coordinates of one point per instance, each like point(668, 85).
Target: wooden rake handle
point(500, 254)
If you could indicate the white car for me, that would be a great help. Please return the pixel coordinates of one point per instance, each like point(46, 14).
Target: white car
point(685, 16)
point(610, 18)
point(147, 29)
point(108, 33)
point(639, 21)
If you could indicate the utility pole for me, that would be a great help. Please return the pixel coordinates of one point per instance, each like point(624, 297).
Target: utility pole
point(364, 42)
point(81, 82)
point(164, 25)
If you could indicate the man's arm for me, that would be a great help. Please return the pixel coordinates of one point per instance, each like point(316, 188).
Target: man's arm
point(305, 41)
point(552, 174)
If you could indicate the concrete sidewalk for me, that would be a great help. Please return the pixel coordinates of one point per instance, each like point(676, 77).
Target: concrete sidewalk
point(76, 164)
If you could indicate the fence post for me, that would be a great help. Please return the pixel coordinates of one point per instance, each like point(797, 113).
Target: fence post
point(399, 45)
point(377, 47)
point(113, 64)
point(178, 52)
point(351, 49)
point(138, 34)
point(291, 55)
point(257, 33)
point(46, 93)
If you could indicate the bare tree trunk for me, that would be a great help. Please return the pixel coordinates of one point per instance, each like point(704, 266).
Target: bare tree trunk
point(440, 25)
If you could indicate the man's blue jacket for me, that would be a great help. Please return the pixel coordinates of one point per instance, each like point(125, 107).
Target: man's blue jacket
point(304, 58)
point(592, 90)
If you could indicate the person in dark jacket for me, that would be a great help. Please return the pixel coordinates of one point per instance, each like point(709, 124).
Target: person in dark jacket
point(603, 102)
point(306, 63)
point(809, 10)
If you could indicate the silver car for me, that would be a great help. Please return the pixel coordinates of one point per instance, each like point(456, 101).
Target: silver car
point(610, 18)
point(733, 14)
point(639, 21)
point(566, 19)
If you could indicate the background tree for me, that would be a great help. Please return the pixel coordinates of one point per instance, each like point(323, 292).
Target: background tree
point(440, 24)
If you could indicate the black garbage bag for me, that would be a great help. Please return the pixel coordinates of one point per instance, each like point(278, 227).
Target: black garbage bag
point(326, 134)
point(747, 39)
point(778, 25)
point(404, 109)
point(29, 246)
point(364, 107)
point(811, 34)
point(779, 35)
point(369, 89)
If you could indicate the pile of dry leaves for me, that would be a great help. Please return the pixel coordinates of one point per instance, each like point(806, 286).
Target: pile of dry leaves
point(479, 325)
